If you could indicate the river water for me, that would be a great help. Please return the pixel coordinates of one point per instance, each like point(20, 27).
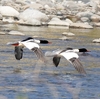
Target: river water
point(29, 78)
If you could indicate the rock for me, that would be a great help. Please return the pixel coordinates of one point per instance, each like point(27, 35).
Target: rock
point(34, 22)
point(84, 14)
point(96, 24)
point(35, 5)
point(2, 33)
point(95, 18)
point(85, 19)
point(94, 5)
point(68, 34)
point(8, 11)
point(1, 17)
point(96, 40)
point(33, 16)
point(59, 6)
point(57, 22)
point(69, 21)
point(15, 33)
point(80, 25)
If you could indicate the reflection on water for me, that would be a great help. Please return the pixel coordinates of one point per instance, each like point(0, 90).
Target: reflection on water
point(29, 78)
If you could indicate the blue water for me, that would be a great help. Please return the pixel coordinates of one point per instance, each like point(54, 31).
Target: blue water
point(29, 78)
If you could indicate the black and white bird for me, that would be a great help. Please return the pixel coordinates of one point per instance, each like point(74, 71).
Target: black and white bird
point(31, 44)
point(71, 55)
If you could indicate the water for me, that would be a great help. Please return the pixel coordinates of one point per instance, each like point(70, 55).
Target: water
point(29, 78)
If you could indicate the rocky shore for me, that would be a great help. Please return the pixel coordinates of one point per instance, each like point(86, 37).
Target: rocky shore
point(68, 13)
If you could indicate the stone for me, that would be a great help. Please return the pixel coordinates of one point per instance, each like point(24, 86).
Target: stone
point(84, 14)
point(58, 22)
point(68, 34)
point(80, 25)
point(85, 19)
point(95, 18)
point(35, 5)
point(1, 17)
point(30, 14)
point(96, 40)
point(15, 33)
point(8, 11)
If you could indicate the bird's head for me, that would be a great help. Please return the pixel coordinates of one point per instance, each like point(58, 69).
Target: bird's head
point(83, 50)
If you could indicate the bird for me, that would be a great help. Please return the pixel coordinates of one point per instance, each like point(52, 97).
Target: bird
point(71, 55)
point(30, 43)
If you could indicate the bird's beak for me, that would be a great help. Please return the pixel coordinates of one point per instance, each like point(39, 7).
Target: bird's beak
point(88, 51)
point(49, 42)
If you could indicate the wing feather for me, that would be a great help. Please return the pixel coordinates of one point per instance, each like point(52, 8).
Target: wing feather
point(39, 53)
point(77, 64)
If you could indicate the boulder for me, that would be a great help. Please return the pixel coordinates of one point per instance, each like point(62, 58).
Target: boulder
point(33, 16)
point(97, 24)
point(95, 18)
point(84, 14)
point(80, 25)
point(57, 22)
point(85, 19)
point(8, 11)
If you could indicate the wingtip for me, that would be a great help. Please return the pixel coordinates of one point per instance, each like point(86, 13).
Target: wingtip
point(13, 43)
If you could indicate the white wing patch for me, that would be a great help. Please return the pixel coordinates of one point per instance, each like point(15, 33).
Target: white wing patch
point(30, 45)
point(69, 55)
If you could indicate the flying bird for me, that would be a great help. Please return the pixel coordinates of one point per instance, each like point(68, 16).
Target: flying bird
point(31, 44)
point(71, 55)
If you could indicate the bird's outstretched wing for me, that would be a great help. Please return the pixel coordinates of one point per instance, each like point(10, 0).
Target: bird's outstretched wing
point(77, 64)
point(18, 52)
point(72, 57)
point(39, 53)
point(35, 48)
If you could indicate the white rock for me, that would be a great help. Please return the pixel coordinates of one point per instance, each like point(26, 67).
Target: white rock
point(8, 11)
point(68, 34)
point(35, 5)
point(96, 24)
point(84, 14)
point(1, 17)
point(30, 14)
point(81, 25)
point(8, 19)
point(96, 40)
point(85, 19)
point(33, 22)
point(2, 33)
point(95, 18)
point(69, 21)
point(15, 33)
point(58, 22)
